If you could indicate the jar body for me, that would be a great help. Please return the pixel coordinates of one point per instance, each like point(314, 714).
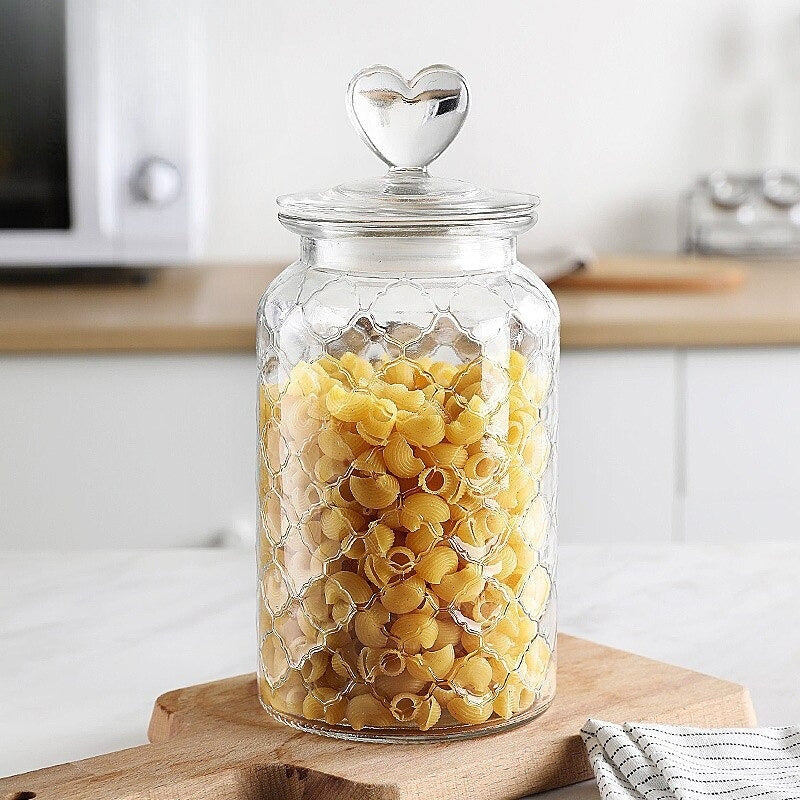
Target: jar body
point(407, 490)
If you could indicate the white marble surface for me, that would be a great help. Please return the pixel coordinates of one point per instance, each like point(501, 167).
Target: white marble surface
point(88, 640)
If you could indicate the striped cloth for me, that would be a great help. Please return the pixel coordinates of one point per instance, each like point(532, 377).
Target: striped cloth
point(662, 762)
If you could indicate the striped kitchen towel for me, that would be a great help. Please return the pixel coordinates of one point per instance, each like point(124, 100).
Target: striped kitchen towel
point(663, 762)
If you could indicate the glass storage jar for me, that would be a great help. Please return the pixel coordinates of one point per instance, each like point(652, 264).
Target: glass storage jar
point(407, 445)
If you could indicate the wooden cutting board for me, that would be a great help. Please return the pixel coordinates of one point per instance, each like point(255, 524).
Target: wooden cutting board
point(655, 274)
point(214, 741)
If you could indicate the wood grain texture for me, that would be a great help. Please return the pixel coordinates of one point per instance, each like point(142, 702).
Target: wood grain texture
point(655, 274)
point(212, 308)
point(215, 741)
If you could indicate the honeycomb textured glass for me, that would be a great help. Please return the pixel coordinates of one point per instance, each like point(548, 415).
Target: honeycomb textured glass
point(407, 500)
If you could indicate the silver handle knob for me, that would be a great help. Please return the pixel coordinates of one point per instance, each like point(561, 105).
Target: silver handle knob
point(408, 123)
point(156, 182)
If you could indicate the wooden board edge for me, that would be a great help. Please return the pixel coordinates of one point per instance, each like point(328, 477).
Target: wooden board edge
point(165, 719)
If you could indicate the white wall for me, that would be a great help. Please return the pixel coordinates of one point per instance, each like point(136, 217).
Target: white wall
point(607, 110)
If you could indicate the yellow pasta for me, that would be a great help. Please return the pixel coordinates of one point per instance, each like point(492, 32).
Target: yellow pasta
point(415, 632)
point(537, 659)
point(325, 704)
point(445, 454)
point(379, 538)
point(432, 664)
point(400, 459)
point(449, 632)
point(469, 713)
point(442, 372)
point(390, 685)
point(336, 523)
point(358, 369)
point(462, 586)
point(401, 559)
point(405, 706)
point(473, 674)
point(506, 704)
point(401, 526)
point(442, 481)
point(502, 564)
point(378, 570)
point(371, 461)
point(364, 710)
point(405, 596)
point(348, 586)
point(481, 468)
point(391, 662)
point(375, 491)
point(378, 421)
point(313, 668)
point(333, 445)
point(369, 626)
point(327, 470)
point(423, 507)
point(425, 537)
point(400, 371)
point(436, 564)
point(427, 714)
point(423, 428)
point(345, 405)
point(405, 399)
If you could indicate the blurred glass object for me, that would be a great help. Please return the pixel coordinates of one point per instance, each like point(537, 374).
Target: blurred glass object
point(753, 214)
point(34, 188)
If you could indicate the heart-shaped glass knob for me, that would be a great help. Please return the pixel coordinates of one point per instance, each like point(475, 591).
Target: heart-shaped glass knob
point(408, 123)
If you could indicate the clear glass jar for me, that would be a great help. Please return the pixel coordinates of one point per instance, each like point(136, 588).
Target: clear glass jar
point(407, 441)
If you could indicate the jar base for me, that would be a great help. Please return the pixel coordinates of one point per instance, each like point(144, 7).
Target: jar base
point(406, 735)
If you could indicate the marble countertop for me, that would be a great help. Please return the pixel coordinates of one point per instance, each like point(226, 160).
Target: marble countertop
point(88, 640)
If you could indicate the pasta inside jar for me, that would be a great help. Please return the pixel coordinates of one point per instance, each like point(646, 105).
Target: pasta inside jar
point(401, 583)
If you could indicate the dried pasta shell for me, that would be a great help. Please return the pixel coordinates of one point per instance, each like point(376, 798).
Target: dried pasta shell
point(469, 713)
point(379, 538)
point(462, 586)
point(473, 674)
point(334, 445)
point(364, 711)
point(432, 664)
point(414, 632)
point(405, 596)
point(371, 461)
point(369, 626)
point(436, 564)
point(424, 428)
point(427, 714)
point(376, 491)
point(325, 704)
point(359, 369)
point(346, 405)
point(423, 507)
point(378, 421)
point(425, 537)
point(400, 458)
point(347, 586)
point(404, 398)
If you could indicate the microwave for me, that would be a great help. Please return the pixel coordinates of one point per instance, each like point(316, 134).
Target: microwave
point(102, 135)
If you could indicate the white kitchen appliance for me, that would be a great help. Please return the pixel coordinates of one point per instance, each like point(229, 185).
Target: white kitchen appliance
point(102, 133)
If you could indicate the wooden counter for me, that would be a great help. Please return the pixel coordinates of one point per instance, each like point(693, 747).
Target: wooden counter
point(212, 308)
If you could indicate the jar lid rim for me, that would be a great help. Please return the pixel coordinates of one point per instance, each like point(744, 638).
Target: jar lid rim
point(409, 199)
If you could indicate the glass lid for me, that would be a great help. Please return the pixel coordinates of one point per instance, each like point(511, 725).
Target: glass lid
point(408, 124)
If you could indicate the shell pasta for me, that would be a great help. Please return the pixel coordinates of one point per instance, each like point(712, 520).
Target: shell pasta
point(404, 570)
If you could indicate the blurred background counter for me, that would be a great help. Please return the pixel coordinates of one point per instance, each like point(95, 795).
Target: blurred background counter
point(127, 413)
